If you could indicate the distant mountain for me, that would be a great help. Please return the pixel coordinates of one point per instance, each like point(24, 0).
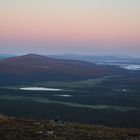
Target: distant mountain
point(100, 59)
point(34, 67)
point(4, 56)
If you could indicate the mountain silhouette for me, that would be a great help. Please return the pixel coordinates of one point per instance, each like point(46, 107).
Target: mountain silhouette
point(33, 67)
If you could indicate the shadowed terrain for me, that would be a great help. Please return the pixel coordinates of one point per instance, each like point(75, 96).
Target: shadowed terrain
point(32, 68)
point(100, 94)
point(21, 129)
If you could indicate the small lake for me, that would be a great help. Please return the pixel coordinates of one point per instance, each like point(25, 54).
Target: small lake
point(131, 67)
point(64, 95)
point(39, 89)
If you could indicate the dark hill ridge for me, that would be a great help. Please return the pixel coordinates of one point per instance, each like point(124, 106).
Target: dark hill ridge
point(33, 59)
point(39, 68)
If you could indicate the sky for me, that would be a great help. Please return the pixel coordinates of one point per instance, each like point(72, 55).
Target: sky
point(70, 26)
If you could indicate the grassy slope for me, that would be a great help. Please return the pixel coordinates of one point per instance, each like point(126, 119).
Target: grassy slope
point(20, 129)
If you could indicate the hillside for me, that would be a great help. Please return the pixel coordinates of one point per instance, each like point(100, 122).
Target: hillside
point(34, 67)
point(21, 129)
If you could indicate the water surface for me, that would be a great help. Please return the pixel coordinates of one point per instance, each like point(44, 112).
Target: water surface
point(39, 89)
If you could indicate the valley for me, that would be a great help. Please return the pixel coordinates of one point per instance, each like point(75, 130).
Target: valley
point(39, 87)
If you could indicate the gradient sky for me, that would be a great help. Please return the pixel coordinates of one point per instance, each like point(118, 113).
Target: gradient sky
point(70, 26)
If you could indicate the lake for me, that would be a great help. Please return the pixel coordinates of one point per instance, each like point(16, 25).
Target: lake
point(39, 89)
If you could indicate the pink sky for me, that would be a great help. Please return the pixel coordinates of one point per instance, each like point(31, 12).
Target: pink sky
point(63, 22)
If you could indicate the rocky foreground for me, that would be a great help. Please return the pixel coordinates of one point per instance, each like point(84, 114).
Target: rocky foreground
point(21, 129)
